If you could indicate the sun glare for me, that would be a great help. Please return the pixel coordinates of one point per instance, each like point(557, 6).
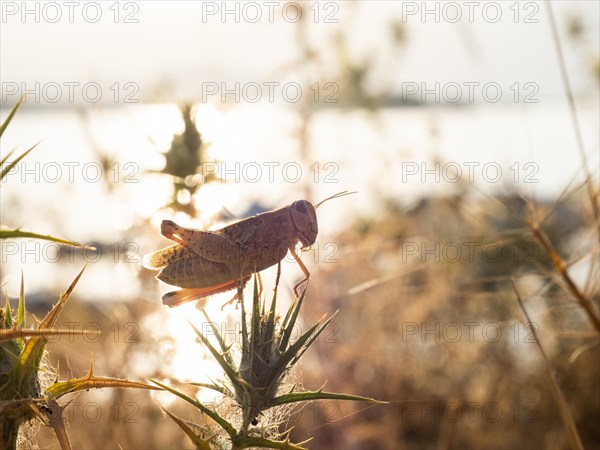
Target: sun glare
point(191, 360)
point(209, 121)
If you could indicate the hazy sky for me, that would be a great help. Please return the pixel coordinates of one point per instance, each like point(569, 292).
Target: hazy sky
point(185, 44)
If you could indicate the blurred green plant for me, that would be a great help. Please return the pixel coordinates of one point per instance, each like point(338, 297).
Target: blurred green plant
point(254, 384)
point(183, 160)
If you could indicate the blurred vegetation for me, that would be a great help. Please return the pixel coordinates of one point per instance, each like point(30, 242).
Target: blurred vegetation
point(445, 333)
point(183, 162)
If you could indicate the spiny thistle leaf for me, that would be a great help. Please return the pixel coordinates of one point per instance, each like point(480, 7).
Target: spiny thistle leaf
point(229, 429)
point(6, 157)
point(6, 170)
point(8, 119)
point(224, 347)
point(290, 321)
point(201, 444)
point(245, 338)
point(286, 357)
point(312, 338)
point(255, 327)
point(229, 370)
point(28, 362)
point(52, 316)
point(7, 322)
point(90, 381)
point(246, 441)
point(57, 423)
point(18, 333)
point(14, 234)
point(21, 309)
point(270, 327)
point(221, 389)
point(294, 397)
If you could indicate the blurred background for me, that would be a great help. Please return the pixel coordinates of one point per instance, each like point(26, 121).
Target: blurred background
point(452, 121)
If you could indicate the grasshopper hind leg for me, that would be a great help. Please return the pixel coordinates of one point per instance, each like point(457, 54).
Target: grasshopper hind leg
point(186, 295)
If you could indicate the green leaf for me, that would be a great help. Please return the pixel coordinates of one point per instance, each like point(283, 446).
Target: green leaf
point(10, 116)
point(270, 325)
point(312, 339)
point(7, 169)
point(19, 333)
point(245, 338)
point(295, 351)
point(21, 312)
point(28, 362)
point(8, 321)
point(209, 412)
point(90, 381)
point(291, 316)
point(255, 324)
point(21, 309)
point(6, 158)
point(221, 389)
point(294, 397)
point(13, 234)
point(229, 370)
point(247, 441)
point(224, 347)
point(201, 444)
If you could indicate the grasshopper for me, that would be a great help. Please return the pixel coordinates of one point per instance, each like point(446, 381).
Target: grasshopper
point(204, 263)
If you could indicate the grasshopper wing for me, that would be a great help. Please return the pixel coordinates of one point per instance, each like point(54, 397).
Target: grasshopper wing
point(210, 245)
point(161, 258)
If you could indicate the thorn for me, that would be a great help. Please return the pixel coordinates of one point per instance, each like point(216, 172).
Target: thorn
point(69, 369)
point(91, 371)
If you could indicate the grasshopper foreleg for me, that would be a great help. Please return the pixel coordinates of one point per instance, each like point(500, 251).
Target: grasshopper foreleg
point(304, 270)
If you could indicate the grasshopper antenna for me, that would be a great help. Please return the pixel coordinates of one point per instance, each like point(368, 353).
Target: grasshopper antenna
point(338, 195)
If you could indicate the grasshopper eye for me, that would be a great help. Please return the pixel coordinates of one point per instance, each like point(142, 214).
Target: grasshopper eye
point(304, 218)
point(300, 205)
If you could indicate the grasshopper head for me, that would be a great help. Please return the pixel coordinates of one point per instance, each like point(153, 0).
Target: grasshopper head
point(304, 217)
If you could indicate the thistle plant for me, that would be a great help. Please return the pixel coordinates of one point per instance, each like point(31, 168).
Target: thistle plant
point(254, 384)
point(27, 392)
point(29, 386)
